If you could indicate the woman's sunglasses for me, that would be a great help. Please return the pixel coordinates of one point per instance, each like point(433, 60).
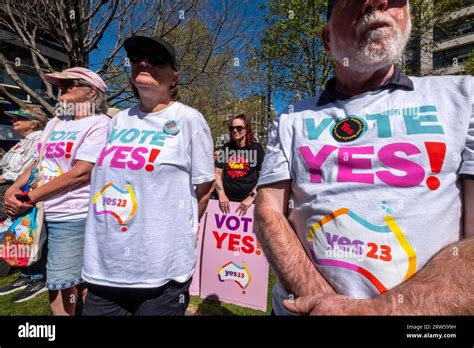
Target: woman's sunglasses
point(19, 118)
point(66, 84)
point(154, 60)
point(238, 128)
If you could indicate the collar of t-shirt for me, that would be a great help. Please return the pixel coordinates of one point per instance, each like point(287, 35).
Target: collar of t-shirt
point(33, 134)
point(398, 81)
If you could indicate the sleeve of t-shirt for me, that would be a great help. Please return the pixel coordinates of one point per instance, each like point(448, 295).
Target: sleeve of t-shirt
point(467, 166)
point(275, 166)
point(202, 163)
point(12, 173)
point(94, 141)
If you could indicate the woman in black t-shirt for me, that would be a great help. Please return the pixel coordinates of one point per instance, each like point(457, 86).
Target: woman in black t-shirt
point(238, 166)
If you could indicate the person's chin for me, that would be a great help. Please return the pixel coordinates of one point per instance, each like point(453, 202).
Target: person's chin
point(145, 83)
point(66, 99)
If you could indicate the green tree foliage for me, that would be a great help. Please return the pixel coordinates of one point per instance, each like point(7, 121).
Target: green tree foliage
point(469, 65)
point(292, 52)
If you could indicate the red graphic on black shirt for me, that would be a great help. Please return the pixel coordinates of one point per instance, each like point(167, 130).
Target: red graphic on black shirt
point(237, 167)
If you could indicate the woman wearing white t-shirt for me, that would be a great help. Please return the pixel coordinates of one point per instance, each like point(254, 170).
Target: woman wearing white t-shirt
point(140, 245)
point(72, 141)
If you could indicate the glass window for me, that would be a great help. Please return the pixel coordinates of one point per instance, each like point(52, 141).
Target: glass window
point(460, 27)
point(452, 56)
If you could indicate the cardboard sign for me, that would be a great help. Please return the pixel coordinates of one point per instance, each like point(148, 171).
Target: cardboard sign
point(233, 266)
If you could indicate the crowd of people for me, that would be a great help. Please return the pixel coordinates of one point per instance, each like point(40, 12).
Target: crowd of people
point(123, 195)
point(101, 220)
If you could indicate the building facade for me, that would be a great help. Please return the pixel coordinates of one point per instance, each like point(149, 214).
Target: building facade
point(20, 58)
point(444, 49)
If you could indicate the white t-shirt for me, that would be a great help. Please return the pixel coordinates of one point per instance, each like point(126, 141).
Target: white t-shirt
point(71, 140)
point(376, 189)
point(142, 226)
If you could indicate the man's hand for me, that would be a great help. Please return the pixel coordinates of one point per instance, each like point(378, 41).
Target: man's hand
point(281, 245)
point(330, 304)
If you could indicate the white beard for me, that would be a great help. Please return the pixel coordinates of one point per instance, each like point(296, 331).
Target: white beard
point(375, 49)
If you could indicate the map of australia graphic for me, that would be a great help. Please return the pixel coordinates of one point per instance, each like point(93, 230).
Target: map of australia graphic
point(381, 254)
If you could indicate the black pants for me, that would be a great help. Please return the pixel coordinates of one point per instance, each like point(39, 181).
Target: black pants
point(169, 299)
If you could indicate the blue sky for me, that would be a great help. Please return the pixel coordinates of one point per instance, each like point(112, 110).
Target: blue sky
point(212, 7)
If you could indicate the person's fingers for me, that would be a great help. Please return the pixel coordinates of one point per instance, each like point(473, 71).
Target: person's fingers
point(301, 305)
point(10, 206)
point(10, 212)
point(11, 196)
point(13, 201)
point(244, 209)
point(13, 205)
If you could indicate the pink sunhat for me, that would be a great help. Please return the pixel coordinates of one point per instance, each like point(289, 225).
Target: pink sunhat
point(76, 73)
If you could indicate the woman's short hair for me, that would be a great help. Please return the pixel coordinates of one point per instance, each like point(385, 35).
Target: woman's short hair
point(100, 102)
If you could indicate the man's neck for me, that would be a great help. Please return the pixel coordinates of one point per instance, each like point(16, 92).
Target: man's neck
point(353, 83)
point(25, 134)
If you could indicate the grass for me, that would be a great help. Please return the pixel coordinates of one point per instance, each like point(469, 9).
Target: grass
point(36, 306)
point(40, 304)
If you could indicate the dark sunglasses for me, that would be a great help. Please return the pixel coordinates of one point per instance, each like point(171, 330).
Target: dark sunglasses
point(238, 128)
point(154, 60)
point(19, 118)
point(71, 83)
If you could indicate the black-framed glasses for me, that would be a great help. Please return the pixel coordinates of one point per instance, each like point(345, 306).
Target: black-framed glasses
point(154, 60)
point(237, 128)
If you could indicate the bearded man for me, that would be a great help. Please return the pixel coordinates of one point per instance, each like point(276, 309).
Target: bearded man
point(365, 204)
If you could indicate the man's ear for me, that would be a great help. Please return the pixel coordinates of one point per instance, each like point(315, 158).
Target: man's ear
point(325, 37)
